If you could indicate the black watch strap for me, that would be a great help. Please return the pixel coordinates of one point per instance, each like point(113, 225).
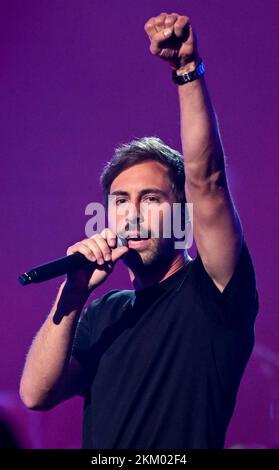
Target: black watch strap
point(189, 76)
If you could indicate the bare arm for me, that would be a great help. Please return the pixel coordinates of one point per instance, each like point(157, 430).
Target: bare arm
point(217, 229)
point(50, 374)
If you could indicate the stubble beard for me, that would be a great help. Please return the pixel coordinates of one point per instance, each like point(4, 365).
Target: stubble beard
point(158, 254)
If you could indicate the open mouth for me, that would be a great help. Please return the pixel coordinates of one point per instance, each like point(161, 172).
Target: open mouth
point(136, 236)
point(135, 239)
point(137, 242)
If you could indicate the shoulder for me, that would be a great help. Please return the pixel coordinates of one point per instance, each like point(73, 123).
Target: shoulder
point(114, 296)
point(109, 306)
point(102, 312)
point(244, 270)
point(239, 299)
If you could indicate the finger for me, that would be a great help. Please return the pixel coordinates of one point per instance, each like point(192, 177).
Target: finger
point(170, 20)
point(94, 247)
point(181, 26)
point(109, 236)
point(155, 24)
point(103, 246)
point(160, 22)
point(158, 38)
point(118, 253)
point(149, 27)
point(83, 249)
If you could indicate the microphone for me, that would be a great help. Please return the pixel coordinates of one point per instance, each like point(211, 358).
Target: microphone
point(60, 266)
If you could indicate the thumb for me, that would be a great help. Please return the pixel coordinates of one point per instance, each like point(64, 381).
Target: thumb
point(118, 252)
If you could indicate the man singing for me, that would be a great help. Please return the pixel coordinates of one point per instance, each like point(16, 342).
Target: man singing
point(159, 366)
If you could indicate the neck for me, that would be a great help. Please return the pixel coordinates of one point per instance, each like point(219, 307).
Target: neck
point(148, 277)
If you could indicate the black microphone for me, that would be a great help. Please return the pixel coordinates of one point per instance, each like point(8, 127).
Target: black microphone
point(60, 266)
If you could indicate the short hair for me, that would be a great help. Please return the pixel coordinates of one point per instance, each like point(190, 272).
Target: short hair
point(145, 149)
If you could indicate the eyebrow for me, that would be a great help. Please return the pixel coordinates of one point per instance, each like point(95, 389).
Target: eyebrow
point(143, 192)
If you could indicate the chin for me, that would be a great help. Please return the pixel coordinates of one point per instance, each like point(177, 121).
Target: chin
point(149, 258)
point(135, 258)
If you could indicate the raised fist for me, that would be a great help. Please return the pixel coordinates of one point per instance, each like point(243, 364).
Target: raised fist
point(172, 38)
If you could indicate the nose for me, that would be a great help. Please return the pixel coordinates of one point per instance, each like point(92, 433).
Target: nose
point(133, 214)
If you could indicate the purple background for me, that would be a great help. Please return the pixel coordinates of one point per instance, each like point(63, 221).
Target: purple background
point(77, 79)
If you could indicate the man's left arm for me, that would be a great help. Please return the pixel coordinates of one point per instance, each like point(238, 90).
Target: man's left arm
point(217, 228)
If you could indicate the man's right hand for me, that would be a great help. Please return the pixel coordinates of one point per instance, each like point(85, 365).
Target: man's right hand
point(51, 375)
point(102, 249)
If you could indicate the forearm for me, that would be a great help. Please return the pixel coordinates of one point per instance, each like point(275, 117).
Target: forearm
point(172, 39)
point(201, 143)
point(49, 354)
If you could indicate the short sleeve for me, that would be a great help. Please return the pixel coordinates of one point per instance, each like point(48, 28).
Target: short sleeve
point(238, 303)
point(83, 342)
point(83, 335)
point(91, 332)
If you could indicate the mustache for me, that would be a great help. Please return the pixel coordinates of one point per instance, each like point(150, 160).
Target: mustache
point(142, 231)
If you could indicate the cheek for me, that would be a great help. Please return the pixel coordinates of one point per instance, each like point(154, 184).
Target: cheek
point(116, 220)
point(120, 223)
point(151, 225)
point(156, 216)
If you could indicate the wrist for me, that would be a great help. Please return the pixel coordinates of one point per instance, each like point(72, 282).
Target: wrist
point(194, 71)
point(68, 305)
point(74, 294)
point(190, 66)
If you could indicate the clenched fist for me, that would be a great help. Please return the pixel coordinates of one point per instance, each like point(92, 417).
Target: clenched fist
point(172, 38)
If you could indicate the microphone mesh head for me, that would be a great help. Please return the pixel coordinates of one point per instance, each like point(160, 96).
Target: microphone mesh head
point(122, 241)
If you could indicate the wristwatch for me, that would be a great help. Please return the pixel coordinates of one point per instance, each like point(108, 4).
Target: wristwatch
point(189, 76)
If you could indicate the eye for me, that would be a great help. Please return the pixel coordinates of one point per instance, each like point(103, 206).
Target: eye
point(152, 199)
point(120, 201)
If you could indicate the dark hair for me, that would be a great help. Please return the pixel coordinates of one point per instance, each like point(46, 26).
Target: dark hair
point(140, 150)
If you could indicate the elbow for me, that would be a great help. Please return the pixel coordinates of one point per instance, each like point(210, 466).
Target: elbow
point(206, 187)
point(30, 402)
point(33, 401)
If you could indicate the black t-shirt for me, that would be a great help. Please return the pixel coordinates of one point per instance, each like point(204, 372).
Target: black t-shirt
point(163, 365)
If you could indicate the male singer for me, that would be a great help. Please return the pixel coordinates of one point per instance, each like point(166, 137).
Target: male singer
point(159, 366)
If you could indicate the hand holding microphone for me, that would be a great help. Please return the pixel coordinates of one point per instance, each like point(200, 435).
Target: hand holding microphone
point(92, 261)
point(103, 250)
